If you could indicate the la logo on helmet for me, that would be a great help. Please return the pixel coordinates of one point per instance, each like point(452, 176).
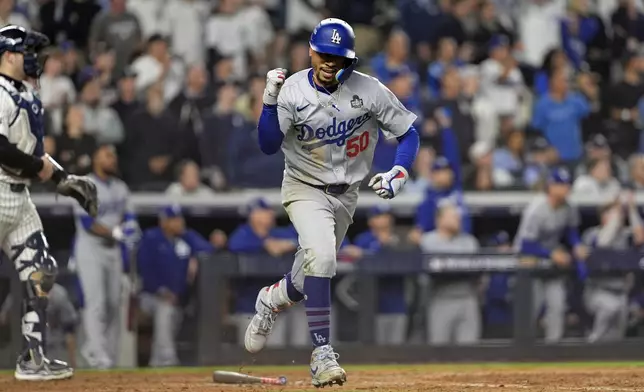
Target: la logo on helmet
point(335, 37)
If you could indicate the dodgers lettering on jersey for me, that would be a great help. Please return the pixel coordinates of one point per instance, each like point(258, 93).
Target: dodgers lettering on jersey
point(331, 138)
point(113, 204)
point(22, 122)
point(541, 223)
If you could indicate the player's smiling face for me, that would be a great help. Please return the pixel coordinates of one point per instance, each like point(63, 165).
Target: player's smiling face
point(325, 66)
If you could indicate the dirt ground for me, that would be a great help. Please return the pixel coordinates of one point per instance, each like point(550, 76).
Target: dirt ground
point(486, 378)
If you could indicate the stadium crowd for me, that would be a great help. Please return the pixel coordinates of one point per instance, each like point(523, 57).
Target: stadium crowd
point(504, 90)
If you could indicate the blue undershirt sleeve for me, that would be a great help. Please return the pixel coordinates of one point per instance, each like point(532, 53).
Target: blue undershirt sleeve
point(269, 133)
point(407, 150)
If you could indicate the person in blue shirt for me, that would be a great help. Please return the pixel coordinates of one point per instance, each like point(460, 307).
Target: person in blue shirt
point(391, 322)
point(446, 185)
point(446, 58)
point(558, 116)
point(260, 236)
point(168, 266)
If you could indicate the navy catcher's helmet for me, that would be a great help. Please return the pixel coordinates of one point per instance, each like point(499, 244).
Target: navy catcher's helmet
point(16, 39)
point(336, 37)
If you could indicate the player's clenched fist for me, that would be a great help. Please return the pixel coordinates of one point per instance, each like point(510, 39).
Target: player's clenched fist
point(388, 185)
point(274, 82)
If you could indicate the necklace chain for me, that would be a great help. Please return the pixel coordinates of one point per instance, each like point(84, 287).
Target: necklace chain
point(332, 98)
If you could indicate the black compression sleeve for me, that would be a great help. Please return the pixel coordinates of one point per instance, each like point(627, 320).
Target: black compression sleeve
point(29, 165)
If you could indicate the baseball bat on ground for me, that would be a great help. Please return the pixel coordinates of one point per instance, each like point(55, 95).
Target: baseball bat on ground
point(223, 377)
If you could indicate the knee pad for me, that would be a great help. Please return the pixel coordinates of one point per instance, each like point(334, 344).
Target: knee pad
point(320, 262)
point(35, 265)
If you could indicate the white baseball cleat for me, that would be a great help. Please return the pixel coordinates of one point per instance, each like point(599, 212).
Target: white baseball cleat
point(46, 370)
point(325, 369)
point(262, 323)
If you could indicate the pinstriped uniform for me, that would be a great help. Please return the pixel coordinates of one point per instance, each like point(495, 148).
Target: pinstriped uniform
point(21, 120)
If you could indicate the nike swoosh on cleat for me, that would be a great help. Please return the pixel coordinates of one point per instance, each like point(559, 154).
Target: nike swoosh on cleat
point(299, 109)
point(314, 371)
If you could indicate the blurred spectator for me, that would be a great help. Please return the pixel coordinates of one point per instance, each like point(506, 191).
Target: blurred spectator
point(452, 21)
point(100, 121)
point(225, 36)
point(56, 91)
point(149, 14)
point(189, 182)
point(360, 14)
point(622, 103)
point(578, 30)
point(103, 63)
point(636, 163)
point(489, 26)
point(420, 19)
point(445, 59)
point(253, 92)
point(68, 21)
point(258, 32)
point(539, 158)
point(446, 186)
point(394, 69)
point(599, 181)
point(554, 60)
point(259, 236)
point(72, 61)
point(8, 16)
point(303, 15)
point(299, 56)
point(168, 266)
point(627, 23)
point(453, 110)
point(486, 122)
point(482, 176)
point(539, 28)
point(501, 80)
point(189, 107)
point(218, 239)
point(607, 294)
point(597, 148)
point(126, 101)
point(558, 115)
point(62, 321)
point(248, 166)
point(219, 126)
point(391, 321)
point(453, 316)
point(183, 24)
point(118, 28)
point(74, 147)
point(421, 177)
point(151, 143)
point(158, 65)
point(508, 160)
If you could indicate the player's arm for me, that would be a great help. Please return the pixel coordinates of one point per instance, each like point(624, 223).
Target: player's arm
point(395, 121)
point(529, 234)
point(274, 113)
point(29, 165)
point(572, 236)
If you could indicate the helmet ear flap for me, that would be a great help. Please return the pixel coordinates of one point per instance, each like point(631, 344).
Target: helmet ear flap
point(342, 75)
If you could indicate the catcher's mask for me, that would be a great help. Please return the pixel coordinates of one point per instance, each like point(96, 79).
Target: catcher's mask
point(31, 44)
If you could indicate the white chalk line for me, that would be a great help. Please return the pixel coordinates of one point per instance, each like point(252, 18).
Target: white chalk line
point(521, 386)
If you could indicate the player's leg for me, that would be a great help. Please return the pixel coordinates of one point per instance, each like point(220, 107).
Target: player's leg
point(113, 296)
point(28, 249)
point(554, 318)
point(468, 330)
point(441, 318)
point(91, 263)
point(606, 309)
point(167, 319)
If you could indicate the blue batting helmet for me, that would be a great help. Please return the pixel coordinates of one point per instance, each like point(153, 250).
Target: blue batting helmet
point(17, 39)
point(560, 175)
point(336, 37)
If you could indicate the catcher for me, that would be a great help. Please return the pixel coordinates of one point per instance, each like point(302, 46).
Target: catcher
point(22, 160)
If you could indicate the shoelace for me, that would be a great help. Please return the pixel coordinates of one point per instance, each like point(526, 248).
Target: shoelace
point(327, 355)
point(267, 320)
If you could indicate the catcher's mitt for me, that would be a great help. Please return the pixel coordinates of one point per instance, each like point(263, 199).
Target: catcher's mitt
point(83, 190)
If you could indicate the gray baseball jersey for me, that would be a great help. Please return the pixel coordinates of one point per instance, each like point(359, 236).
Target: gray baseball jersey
point(100, 269)
point(113, 204)
point(331, 138)
point(620, 241)
point(463, 243)
point(542, 223)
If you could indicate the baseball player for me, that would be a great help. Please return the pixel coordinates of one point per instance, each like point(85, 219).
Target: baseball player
point(22, 159)
point(547, 220)
point(607, 295)
point(454, 314)
point(325, 119)
point(98, 259)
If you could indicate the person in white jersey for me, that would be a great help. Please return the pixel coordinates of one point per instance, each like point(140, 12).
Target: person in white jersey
point(23, 159)
point(325, 119)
